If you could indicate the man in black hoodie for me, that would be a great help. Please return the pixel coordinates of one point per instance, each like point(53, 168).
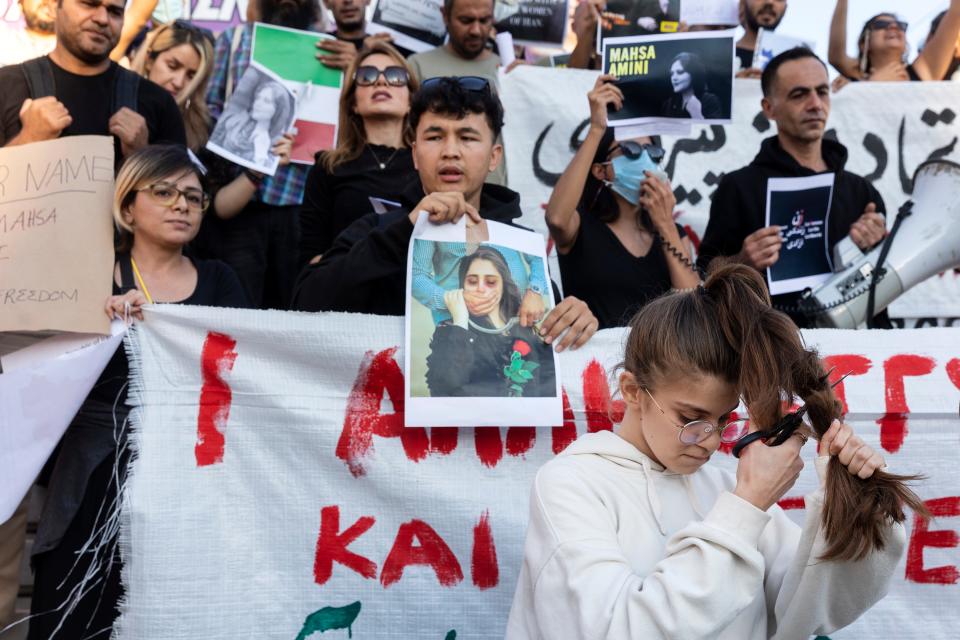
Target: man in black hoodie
point(796, 92)
point(456, 123)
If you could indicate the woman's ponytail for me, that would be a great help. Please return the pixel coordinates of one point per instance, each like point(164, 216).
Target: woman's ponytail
point(776, 367)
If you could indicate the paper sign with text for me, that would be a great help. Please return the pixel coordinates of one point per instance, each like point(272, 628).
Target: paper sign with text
point(56, 234)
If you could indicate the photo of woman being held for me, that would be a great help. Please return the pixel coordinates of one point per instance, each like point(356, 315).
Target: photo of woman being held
point(483, 351)
point(690, 99)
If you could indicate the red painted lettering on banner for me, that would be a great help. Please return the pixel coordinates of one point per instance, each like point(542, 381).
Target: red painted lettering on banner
point(489, 445)
point(602, 412)
point(792, 503)
point(893, 424)
point(941, 539)
point(520, 440)
point(443, 440)
point(216, 361)
point(843, 364)
point(953, 371)
point(564, 435)
point(332, 546)
point(378, 373)
point(483, 563)
point(432, 551)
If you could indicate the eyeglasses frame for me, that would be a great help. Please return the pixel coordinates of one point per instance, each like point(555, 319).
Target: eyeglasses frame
point(180, 192)
point(714, 427)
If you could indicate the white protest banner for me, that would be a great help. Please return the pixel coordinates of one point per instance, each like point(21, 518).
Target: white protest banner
point(56, 234)
point(414, 24)
point(32, 425)
point(277, 492)
point(719, 12)
point(889, 129)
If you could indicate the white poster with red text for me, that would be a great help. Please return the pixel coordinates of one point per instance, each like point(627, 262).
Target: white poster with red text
point(277, 494)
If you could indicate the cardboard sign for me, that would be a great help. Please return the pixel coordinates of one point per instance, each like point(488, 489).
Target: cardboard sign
point(56, 234)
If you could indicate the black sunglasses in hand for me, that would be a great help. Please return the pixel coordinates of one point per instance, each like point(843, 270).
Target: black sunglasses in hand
point(474, 84)
point(395, 76)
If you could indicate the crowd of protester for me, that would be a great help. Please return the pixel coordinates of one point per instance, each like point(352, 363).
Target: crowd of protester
point(419, 134)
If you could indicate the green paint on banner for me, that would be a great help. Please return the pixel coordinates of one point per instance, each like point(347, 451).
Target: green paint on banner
point(330, 618)
point(451, 635)
point(292, 55)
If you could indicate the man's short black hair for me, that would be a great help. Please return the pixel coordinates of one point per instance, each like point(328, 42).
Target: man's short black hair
point(770, 71)
point(447, 96)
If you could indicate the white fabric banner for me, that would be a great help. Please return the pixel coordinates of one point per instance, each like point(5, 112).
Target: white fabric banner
point(277, 493)
point(888, 128)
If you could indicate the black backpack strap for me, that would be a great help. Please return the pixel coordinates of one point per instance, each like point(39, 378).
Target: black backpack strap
point(127, 282)
point(126, 86)
point(39, 76)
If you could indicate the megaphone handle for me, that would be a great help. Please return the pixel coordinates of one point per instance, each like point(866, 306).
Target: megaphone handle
point(905, 212)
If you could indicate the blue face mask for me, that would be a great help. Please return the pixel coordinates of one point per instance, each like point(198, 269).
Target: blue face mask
point(628, 174)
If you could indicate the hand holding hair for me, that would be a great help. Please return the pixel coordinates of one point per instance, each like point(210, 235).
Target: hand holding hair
point(859, 458)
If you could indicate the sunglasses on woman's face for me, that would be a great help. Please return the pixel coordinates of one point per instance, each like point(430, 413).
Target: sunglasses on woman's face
point(634, 150)
point(883, 24)
point(368, 75)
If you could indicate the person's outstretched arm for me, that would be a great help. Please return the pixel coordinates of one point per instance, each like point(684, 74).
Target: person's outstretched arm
point(837, 51)
point(563, 219)
point(935, 59)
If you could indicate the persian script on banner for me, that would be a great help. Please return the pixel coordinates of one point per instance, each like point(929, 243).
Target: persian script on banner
point(277, 493)
point(889, 129)
point(56, 234)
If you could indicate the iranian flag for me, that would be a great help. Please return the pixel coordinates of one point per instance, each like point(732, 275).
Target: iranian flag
point(290, 55)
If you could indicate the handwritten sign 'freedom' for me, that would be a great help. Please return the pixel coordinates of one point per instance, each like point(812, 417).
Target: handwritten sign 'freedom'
point(56, 239)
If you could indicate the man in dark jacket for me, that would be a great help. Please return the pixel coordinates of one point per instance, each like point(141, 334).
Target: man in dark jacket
point(796, 92)
point(456, 123)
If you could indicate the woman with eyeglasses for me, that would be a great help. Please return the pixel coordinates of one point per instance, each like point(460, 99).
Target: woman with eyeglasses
point(179, 57)
point(482, 350)
point(372, 163)
point(158, 204)
point(611, 218)
point(633, 534)
point(883, 48)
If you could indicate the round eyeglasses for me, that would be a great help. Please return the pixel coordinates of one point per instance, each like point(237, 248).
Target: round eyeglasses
point(167, 194)
point(696, 431)
point(394, 76)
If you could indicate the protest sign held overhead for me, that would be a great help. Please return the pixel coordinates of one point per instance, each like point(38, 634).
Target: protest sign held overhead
point(770, 44)
point(416, 25)
point(623, 18)
point(538, 22)
point(290, 54)
point(801, 208)
point(672, 78)
point(474, 296)
point(260, 110)
point(711, 12)
point(56, 234)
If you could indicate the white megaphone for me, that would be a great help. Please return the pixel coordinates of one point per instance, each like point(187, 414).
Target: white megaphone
point(924, 241)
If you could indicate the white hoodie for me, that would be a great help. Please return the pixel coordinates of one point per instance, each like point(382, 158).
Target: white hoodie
point(618, 548)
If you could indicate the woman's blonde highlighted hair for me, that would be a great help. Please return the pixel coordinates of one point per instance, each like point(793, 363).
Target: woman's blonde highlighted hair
point(351, 137)
point(192, 99)
point(140, 170)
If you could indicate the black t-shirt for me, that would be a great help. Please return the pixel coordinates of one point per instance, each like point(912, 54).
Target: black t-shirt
point(332, 202)
point(89, 100)
point(746, 57)
point(217, 286)
point(613, 282)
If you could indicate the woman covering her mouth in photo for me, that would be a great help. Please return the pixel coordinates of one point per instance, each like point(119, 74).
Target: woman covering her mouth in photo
point(372, 162)
point(483, 351)
point(633, 534)
point(690, 99)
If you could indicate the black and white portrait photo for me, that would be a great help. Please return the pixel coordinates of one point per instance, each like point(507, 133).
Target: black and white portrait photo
point(260, 110)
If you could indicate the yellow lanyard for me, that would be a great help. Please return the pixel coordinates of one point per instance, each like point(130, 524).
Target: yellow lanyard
point(143, 287)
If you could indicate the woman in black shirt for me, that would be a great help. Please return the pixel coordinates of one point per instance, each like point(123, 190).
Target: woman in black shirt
point(482, 351)
point(158, 204)
point(690, 99)
point(372, 162)
point(611, 218)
